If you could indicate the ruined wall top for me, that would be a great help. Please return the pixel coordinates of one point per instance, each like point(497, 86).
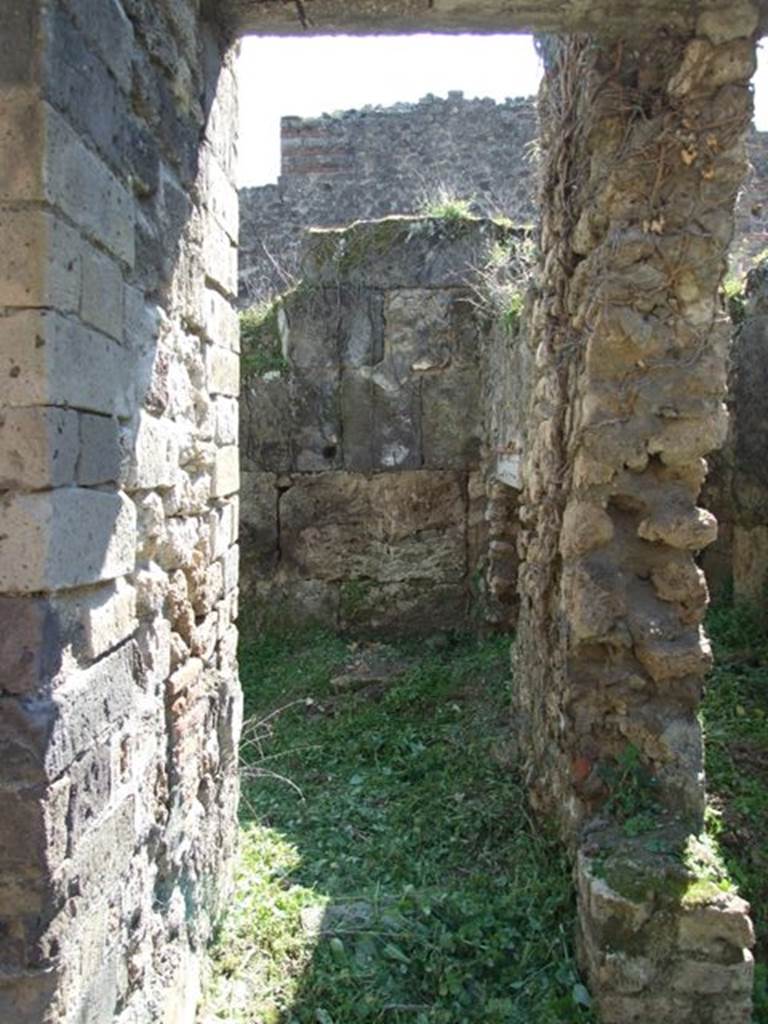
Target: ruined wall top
point(276, 17)
point(377, 161)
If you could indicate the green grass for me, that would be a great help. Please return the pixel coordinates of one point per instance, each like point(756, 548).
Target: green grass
point(404, 807)
point(406, 803)
point(735, 715)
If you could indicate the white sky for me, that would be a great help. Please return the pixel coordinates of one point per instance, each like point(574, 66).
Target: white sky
point(312, 76)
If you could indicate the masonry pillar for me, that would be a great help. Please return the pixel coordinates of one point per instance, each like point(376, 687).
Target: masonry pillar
point(119, 699)
point(643, 145)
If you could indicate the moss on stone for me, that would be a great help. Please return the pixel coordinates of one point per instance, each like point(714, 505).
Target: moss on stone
point(354, 596)
point(672, 869)
point(260, 340)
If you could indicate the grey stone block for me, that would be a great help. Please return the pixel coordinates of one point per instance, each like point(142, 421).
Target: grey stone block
point(220, 320)
point(82, 87)
point(316, 427)
point(97, 619)
point(109, 32)
point(418, 333)
point(381, 421)
point(450, 418)
point(38, 448)
point(100, 455)
point(18, 45)
point(221, 194)
point(266, 424)
point(226, 473)
point(101, 303)
point(40, 263)
point(87, 191)
point(90, 778)
point(312, 337)
point(42, 736)
point(48, 359)
point(361, 327)
point(52, 540)
point(223, 370)
point(22, 141)
point(30, 644)
point(151, 452)
point(220, 256)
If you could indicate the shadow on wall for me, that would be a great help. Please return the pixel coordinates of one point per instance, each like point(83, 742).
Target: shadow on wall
point(118, 687)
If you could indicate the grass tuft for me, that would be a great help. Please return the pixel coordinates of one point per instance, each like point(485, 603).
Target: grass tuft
point(448, 206)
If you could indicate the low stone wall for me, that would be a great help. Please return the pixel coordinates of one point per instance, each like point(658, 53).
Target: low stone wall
point(366, 468)
point(656, 942)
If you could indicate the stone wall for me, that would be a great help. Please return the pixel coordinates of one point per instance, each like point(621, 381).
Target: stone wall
point(377, 161)
point(608, 18)
point(119, 697)
point(737, 486)
point(118, 560)
point(751, 234)
point(630, 343)
point(365, 462)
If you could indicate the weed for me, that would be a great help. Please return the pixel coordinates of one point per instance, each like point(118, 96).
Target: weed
point(355, 597)
point(435, 900)
point(632, 788)
point(504, 280)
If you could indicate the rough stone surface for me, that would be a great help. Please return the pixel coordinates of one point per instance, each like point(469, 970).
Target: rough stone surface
point(365, 485)
point(39, 448)
point(52, 540)
point(119, 703)
point(737, 487)
point(658, 943)
point(626, 350)
point(606, 17)
point(359, 164)
point(370, 163)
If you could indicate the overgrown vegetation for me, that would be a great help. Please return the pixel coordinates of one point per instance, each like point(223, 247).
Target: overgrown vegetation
point(734, 296)
point(504, 280)
point(735, 714)
point(394, 814)
point(260, 340)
